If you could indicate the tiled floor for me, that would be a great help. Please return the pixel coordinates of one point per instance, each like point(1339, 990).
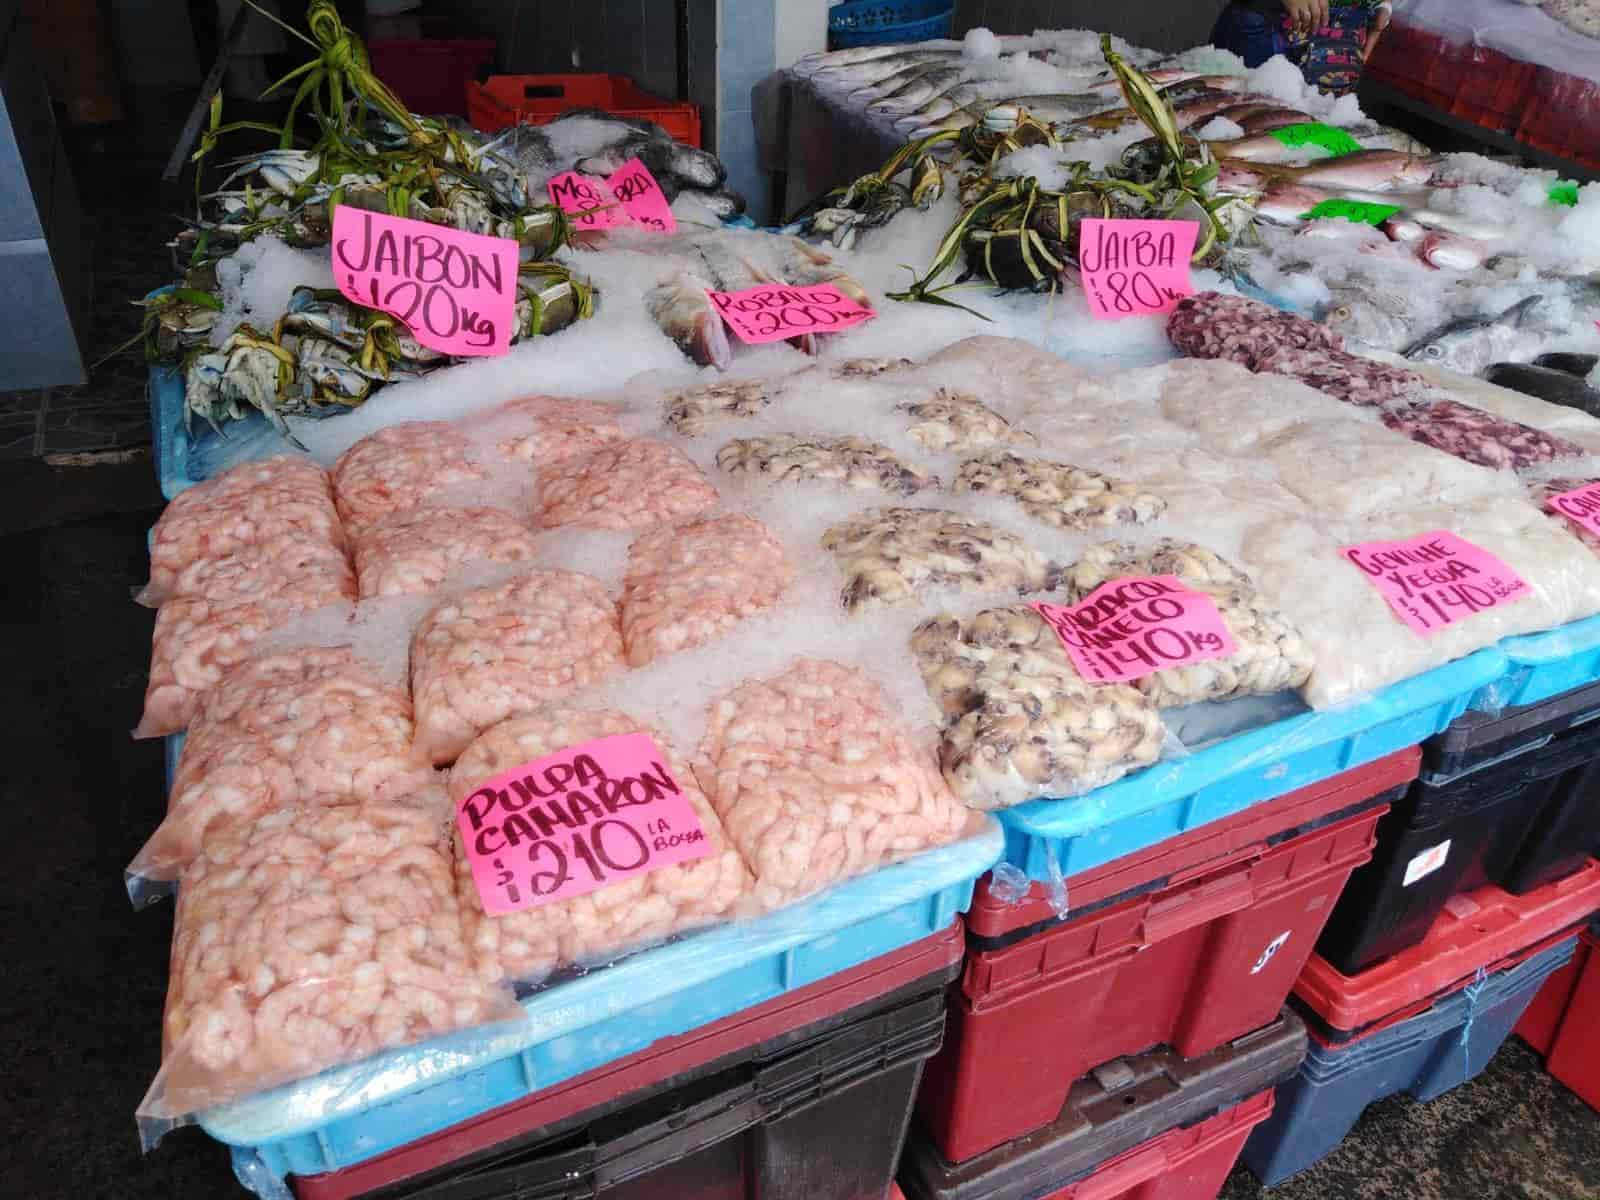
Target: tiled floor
point(129, 215)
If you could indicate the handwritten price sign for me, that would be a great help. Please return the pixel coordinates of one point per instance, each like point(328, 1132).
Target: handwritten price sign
point(1435, 579)
point(588, 200)
point(774, 312)
point(1132, 627)
point(1581, 506)
point(641, 197)
point(628, 197)
point(456, 292)
point(571, 823)
point(1135, 268)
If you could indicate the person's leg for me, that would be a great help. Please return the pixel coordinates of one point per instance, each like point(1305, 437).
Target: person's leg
point(1250, 33)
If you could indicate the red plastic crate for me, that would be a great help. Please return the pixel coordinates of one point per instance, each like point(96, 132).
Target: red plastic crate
point(1471, 82)
point(661, 1063)
point(1207, 957)
point(430, 75)
point(1542, 1018)
point(1243, 835)
point(505, 100)
point(1563, 117)
point(1574, 1056)
point(1181, 1164)
point(1476, 930)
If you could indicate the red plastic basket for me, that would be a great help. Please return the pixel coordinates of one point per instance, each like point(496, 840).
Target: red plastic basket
point(1476, 930)
point(1575, 1054)
point(1563, 118)
point(1542, 1020)
point(505, 100)
point(1189, 1163)
point(1205, 957)
point(430, 75)
point(1243, 835)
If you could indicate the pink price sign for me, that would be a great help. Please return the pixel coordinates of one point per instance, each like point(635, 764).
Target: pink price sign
point(640, 194)
point(1435, 579)
point(456, 292)
point(588, 201)
point(775, 312)
point(1132, 627)
point(1581, 506)
point(1135, 268)
point(574, 822)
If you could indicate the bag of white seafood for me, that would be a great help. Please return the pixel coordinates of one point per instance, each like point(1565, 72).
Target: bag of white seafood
point(310, 728)
point(1358, 641)
point(308, 939)
point(496, 652)
point(817, 779)
point(553, 813)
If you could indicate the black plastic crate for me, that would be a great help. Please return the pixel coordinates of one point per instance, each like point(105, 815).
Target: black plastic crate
point(1118, 1106)
point(1518, 823)
point(821, 1118)
point(1478, 739)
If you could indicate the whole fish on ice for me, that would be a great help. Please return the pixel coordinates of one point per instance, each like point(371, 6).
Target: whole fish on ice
point(1468, 344)
point(1547, 383)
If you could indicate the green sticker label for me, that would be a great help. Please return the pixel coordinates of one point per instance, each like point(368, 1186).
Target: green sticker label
point(1565, 193)
point(1312, 133)
point(1352, 210)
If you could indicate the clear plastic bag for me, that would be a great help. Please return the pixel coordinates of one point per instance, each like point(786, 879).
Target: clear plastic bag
point(629, 485)
point(816, 780)
point(315, 727)
point(398, 468)
point(196, 642)
point(1020, 722)
point(277, 501)
point(529, 944)
point(497, 652)
point(688, 583)
point(307, 939)
point(414, 551)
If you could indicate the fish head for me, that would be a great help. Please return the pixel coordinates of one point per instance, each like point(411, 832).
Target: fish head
point(1468, 344)
point(1369, 316)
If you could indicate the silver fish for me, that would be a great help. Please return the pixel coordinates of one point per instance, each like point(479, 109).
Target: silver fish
point(954, 99)
point(1469, 344)
point(851, 78)
point(856, 56)
point(867, 93)
point(1369, 316)
point(918, 91)
point(682, 310)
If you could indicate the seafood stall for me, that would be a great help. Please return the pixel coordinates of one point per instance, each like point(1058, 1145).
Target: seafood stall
point(583, 621)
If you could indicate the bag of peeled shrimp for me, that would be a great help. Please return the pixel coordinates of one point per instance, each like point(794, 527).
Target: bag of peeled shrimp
point(308, 939)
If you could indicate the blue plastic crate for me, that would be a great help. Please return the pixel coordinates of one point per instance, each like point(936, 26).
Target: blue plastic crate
point(349, 1114)
point(1542, 665)
point(1424, 1056)
point(880, 22)
point(1055, 839)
